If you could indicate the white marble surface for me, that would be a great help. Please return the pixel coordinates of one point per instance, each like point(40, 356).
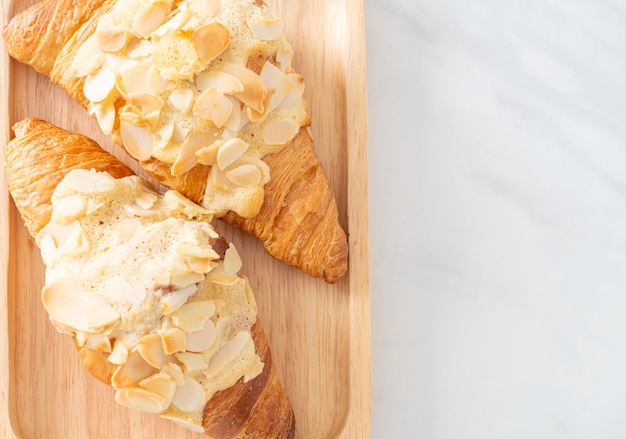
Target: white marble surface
point(497, 161)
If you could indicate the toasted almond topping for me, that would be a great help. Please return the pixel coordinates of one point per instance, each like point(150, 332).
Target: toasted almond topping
point(105, 115)
point(130, 373)
point(192, 316)
point(189, 396)
point(160, 384)
point(180, 133)
point(111, 38)
point(267, 29)
point(230, 151)
point(210, 8)
point(211, 40)
point(236, 120)
point(146, 199)
point(213, 106)
point(176, 201)
point(99, 342)
point(283, 57)
point(149, 18)
point(195, 251)
point(141, 49)
point(255, 117)
point(182, 99)
point(88, 59)
point(280, 131)
point(175, 372)
point(176, 22)
point(140, 399)
point(223, 82)
point(187, 423)
point(192, 361)
point(98, 86)
point(89, 182)
point(173, 341)
point(119, 290)
point(60, 233)
point(294, 98)
point(135, 77)
point(201, 265)
point(70, 305)
point(208, 154)
point(201, 340)
point(218, 180)
point(156, 83)
point(244, 175)
point(137, 140)
point(119, 354)
point(126, 228)
point(273, 78)
point(81, 338)
point(232, 260)
point(226, 354)
point(145, 103)
point(70, 208)
point(163, 135)
point(182, 280)
point(151, 349)
point(174, 300)
point(254, 92)
point(186, 159)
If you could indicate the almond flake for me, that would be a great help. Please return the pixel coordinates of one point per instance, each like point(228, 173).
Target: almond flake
point(195, 251)
point(182, 99)
point(135, 77)
point(213, 106)
point(210, 41)
point(173, 340)
point(99, 342)
point(273, 78)
point(177, 201)
point(174, 300)
point(89, 182)
point(151, 349)
point(186, 159)
point(223, 82)
point(98, 86)
point(192, 316)
point(254, 92)
point(119, 290)
point(230, 151)
point(267, 29)
point(125, 229)
point(146, 199)
point(130, 373)
point(226, 354)
point(202, 340)
point(145, 103)
point(210, 8)
point(280, 131)
point(193, 362)
point(294, 98)
point(111, 38)
point(190, 396)
point(208, 154)
point(70, 208)
point(141, 400)
point(119, 354)
point(244, 175)
point(232, 260)
point(182, 280)
point(137, 140)
point(150, 18)
point(88, 58)
point(105, 115)
point(174, 370)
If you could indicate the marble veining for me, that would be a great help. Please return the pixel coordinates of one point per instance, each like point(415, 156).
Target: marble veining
point(497, 167)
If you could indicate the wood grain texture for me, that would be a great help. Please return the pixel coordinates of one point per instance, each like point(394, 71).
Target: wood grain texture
point(319, 333)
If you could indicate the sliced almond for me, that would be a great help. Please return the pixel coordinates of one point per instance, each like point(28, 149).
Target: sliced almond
point(266, 29)
point(195, 251)
point(254, 92)
point(135, 77)
point(182, 280)
point(71, 305)
point(218, 180)
point(141, 49)
point(213, 106)
point(232, 260)
point(208, 155)
point(98, 86)
point(284, 57)
point(111, 38)
point(186, 159)
point(88, 59)
point(140, 399)
point(280, 131)
point(190, 396)
point(244, 175)
point(151, 349)
point(119, 354)
point(174, 300)
point(130, 373)
point(89, 182)
point(160, 384)
point(176, 22)
point(137, 140)
point(81, 338)
point(235, 122)
point(192, 316)
point(163, 135)
point(227, 353)
point(193, 362)
point(176, 201)
point(119, 290)
point(230, 151)
point(145, 103)
point(173, 341)
point(60, 233)
point(47, 247)
point(210, 8)
point(274, 78)
point(174, 370)
point(70, 208)
point(126, 228)
point(294, 98)
point(156, 83)
point(187, 423)
point(99, 342)
point(105, 115)
point(201, 340)
point(201, 265)
point(149, 18)
point(254, 116)
point(210, 41)
point(223, 82)
point(182, 99)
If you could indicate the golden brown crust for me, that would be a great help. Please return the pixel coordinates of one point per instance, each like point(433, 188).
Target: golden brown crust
point(290, 224)
point(47, 37)
point(36, 161)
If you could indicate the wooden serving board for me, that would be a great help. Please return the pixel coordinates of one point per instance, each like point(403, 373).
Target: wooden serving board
point(319, 334)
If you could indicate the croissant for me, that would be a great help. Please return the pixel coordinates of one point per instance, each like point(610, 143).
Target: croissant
point(202, 93)
point(188, 346)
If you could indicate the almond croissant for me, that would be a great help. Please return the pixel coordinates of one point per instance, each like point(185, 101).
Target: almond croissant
point(202, 93)
point(146, 288)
